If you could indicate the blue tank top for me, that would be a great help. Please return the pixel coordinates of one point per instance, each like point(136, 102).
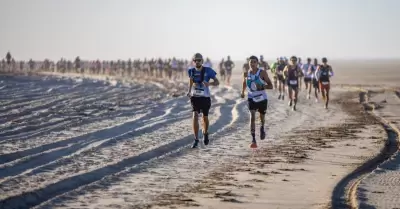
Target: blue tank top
point(253, 92)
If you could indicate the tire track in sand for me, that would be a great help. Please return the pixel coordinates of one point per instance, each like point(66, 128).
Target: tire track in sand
point(40, 195)
point(345, 193)
point(51, 152)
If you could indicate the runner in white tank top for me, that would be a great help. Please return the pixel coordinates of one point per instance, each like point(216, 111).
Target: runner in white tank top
point(256, 81)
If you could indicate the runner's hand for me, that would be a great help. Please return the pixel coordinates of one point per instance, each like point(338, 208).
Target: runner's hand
point(242, 95)
point(206, 84)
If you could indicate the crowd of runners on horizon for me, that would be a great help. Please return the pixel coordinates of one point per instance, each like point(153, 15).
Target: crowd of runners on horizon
point(172, 68)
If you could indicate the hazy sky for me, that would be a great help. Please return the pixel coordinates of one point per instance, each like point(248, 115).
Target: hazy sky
point(107, 29)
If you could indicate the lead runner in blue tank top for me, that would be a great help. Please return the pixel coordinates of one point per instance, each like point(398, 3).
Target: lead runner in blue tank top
point(199, 93)
point(256, 81)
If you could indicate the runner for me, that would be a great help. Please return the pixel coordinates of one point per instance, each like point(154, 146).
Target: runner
point(300, 65)
point(263, 64)
point(256, 81)
point(323, 74)
point(229, 65)
point(207, 63)
point(246, 65)
point(292, 72)
point(286, 60)
point(315, 82)
point(222, 69)
point(8, 58)
point(174, 68)
point(308, 71)
point(273, 72)
point(199, 94)
point(281, 80)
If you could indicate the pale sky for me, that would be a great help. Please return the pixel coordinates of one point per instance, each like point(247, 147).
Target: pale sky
point(122, 29)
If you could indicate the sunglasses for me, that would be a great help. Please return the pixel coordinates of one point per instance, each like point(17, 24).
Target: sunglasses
point(197, 60)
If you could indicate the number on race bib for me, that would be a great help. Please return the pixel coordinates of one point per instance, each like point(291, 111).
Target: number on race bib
point(199, 92)
point(293, 82)
point(325, 82)
point(258, 98)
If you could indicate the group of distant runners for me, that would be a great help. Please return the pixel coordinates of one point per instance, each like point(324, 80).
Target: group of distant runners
point(286, 74)
point(154, 68)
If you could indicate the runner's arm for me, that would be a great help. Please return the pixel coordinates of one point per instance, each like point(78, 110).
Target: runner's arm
point(300, 72)
point(285, 70)
point(244, 82)
point(213, 76)
point(304, 70)
point(264, 76)
point(215, 82)
point(330, 71)
point(190, 85)
point(273, 69)
point(317, 74)
point(190, 81)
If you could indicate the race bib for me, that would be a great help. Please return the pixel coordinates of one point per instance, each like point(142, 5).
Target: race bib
point(199, 92)
point(325, 82)
point(293, 82)
point(258, 98)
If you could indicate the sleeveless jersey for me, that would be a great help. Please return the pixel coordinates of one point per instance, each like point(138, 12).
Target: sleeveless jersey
point(254, 93)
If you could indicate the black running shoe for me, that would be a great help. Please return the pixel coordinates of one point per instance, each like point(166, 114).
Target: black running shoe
point(195, 143)
point(206, 140)
point(262, 133)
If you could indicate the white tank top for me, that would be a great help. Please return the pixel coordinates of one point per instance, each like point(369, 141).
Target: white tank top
point(252, 92)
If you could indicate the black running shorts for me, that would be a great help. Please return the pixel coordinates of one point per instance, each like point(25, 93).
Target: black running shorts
point(293, 86)
point(201, 104)
point(315, 83)
point(307, 80)
point(281, 78)
point(261, 107)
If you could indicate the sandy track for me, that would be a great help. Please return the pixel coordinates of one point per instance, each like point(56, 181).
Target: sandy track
point(103, 144)
point(310, 159)
point(75, 161)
